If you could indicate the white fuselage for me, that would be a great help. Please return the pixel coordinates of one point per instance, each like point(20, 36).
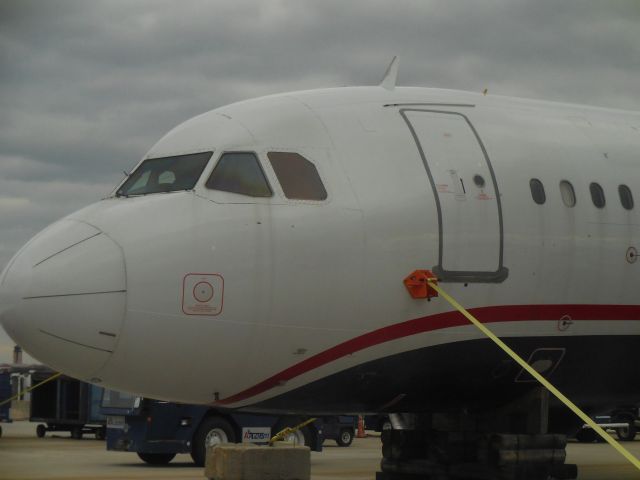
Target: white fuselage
point(303, 291)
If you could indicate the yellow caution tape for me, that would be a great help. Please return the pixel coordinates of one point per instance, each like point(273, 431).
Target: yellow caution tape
point(27, 390)
point(278, 437)
point(608, 438)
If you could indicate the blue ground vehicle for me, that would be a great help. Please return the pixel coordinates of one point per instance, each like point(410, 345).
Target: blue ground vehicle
point(341, 428)
point(377, 423)
point(157, 430)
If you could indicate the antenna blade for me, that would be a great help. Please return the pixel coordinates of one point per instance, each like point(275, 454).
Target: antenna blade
point(391, 75)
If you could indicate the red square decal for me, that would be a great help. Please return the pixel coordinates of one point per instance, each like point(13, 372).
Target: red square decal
point(202, 294)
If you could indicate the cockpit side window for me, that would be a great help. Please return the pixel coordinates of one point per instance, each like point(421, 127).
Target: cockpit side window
point(239, 172)
point(298, 177)
point(165, 174)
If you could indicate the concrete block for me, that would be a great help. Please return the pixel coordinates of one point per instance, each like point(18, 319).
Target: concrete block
point(255, 462)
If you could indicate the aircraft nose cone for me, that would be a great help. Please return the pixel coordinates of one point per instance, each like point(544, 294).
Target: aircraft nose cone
point(62, 297)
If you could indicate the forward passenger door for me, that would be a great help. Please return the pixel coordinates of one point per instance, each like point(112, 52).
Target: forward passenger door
point(459, 171)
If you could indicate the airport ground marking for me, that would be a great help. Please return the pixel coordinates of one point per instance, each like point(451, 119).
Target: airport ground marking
point(433, 282)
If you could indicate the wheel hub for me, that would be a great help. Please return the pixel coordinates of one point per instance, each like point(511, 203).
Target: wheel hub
point(215, 437)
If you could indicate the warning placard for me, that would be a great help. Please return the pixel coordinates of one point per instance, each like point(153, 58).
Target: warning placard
point(202, 294)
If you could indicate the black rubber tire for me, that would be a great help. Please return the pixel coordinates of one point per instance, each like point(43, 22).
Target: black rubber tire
point(101, 433)
point(41, 431)
point(303, 434)
point(345, 437)
point(0, 431)
point(156, 458)
point(587, 435)
point(209, 424)
point(627, 434)
point(76, 433)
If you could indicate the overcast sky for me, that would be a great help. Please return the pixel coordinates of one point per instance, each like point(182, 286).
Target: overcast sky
point(86, 87)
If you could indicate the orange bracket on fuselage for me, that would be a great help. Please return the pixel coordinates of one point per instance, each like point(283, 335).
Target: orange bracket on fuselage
point(418, 284)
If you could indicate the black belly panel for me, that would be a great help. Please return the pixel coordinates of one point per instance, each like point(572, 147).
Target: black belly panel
point(596, 372)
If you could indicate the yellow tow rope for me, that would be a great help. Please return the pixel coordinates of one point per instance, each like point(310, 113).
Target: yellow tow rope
point(278, 437)
point(433, 283)
point(27, 390)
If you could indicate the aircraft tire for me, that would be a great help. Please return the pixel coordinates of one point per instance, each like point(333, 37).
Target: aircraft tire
point(212, 431)
point(41, 431)
point(586, 435)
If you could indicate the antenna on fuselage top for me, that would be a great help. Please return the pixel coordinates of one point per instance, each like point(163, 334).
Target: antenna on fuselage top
point(391, 75)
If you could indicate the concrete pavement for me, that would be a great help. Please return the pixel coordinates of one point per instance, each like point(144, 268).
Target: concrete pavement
point(23, 456)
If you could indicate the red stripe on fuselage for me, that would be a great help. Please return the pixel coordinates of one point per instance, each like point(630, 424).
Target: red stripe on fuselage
point(504, 313)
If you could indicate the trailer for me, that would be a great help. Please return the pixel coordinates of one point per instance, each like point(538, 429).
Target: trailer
point(5, 393)
point(67, 405)
point(623, 421)
point(157, 431)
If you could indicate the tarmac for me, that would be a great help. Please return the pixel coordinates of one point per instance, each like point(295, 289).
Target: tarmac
point(23, 456)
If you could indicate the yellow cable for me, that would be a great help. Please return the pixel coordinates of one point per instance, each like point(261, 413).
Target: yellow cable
point(55, 375)
point(608, 438)
point(280, 435)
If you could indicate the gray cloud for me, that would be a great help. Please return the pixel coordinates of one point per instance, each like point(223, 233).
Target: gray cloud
point(87, 87)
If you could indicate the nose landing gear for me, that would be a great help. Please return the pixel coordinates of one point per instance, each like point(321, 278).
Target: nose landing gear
point(433, 455)
point(468, 446)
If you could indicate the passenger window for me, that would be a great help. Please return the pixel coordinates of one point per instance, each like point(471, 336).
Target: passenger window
point(537, 191)
point(479, 181)
point(239, 172)
point(298, 176)
point(568, 194)
point(597, 195)
point(626, 197)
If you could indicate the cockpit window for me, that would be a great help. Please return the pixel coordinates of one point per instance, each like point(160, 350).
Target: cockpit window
point(166, 174)
point(298, 176)
point(239, 172)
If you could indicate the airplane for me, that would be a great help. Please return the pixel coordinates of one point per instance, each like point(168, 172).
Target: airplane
point(254, 260)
